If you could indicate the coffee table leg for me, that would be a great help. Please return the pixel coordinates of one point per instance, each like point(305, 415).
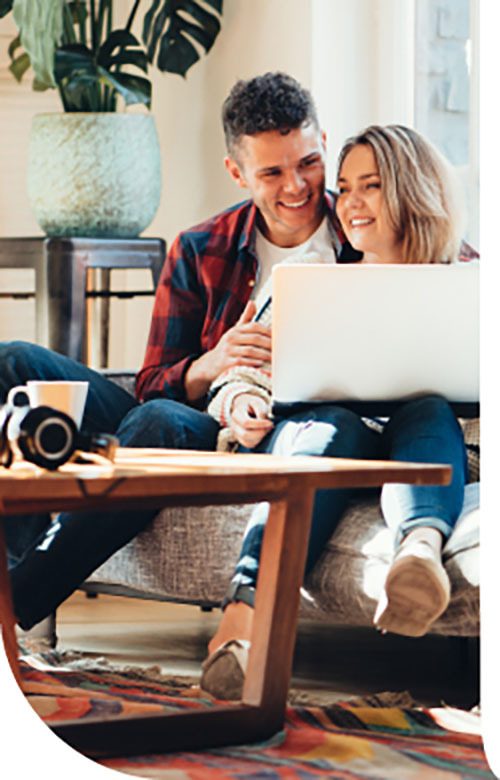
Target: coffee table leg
point(6, 612)
point(262, 710)
point(281, 573)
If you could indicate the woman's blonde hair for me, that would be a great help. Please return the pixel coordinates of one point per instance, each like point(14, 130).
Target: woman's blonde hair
point(420, 191)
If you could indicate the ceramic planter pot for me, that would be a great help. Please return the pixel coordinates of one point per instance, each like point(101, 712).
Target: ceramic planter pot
point(94, 175)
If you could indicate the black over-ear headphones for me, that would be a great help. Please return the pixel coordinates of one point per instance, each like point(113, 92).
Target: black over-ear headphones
point(48, 438)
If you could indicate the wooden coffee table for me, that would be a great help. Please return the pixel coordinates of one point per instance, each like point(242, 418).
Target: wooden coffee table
point(158, 478)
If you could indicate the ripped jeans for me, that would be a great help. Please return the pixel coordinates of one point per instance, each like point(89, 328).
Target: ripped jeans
point(424, 430)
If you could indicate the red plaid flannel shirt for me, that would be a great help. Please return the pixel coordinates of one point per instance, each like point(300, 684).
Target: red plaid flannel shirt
point(205, 284)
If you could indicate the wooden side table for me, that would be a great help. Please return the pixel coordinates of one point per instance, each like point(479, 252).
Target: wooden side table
point(154, 478)
point(61, 266)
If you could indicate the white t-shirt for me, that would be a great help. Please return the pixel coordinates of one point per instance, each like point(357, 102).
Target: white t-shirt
point(269, 255)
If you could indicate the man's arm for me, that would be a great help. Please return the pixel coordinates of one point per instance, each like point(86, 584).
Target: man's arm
point(176, 325)
point(240, 398)
point(247, 344)
point(175, 366)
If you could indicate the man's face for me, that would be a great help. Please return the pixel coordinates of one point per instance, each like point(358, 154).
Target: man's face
point(285, 175)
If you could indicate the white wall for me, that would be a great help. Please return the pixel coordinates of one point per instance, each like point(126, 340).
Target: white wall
point(362, 66)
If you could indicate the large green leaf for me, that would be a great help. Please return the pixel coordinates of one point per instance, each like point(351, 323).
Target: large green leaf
point(40, 25)
point(37, 87)
point(177, 55)
point(133, 89)
point(122, 48)
point(86, 85)
point(5, 7)
point(19, 66)
point(76, 77)
point(217, 4)
point(71, 59)
point(14, 45)
point(19, 62)
point(149, 18)
point(171, 27)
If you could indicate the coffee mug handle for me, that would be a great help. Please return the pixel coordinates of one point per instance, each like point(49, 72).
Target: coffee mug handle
point(13, 393)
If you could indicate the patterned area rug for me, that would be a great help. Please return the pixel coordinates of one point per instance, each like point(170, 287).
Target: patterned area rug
point(382, 736)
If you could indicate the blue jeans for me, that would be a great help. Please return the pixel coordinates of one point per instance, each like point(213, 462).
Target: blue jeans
point(49, 560)
point(423, 430)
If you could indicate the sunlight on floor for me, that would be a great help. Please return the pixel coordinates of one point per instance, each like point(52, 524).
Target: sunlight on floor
point(345, 662)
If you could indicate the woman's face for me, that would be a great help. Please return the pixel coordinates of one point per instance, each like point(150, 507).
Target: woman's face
point(361, 208)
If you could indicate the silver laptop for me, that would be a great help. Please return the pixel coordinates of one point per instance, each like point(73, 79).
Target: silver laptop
point(375, 332)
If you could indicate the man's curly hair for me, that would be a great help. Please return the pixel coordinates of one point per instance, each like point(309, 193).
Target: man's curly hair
point(274, 101)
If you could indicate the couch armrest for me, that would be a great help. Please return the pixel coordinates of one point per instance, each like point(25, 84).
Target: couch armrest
point(124, 378)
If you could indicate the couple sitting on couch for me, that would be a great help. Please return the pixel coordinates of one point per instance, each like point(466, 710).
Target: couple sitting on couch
point(206, 384)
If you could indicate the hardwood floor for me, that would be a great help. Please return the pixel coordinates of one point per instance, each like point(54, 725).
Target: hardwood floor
point(339, 662)
point(137, 631)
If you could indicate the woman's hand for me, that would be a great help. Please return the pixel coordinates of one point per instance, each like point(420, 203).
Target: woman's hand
point(250, 419)
point(245, 344)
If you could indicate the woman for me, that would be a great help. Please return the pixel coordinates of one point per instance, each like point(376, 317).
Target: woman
point(396, 204)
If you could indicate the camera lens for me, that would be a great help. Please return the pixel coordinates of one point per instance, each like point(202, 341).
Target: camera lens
point(53, 438)
point(47, 437)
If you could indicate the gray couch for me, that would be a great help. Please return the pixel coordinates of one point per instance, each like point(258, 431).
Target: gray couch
point(187, 555)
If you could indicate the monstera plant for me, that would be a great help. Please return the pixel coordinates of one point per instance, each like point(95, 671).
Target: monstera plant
point(72, 45)
point(95, 170)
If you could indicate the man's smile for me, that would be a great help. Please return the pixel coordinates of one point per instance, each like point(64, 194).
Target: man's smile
point(296, 204)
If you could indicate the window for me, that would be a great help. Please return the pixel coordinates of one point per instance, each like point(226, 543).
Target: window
point(446, 89)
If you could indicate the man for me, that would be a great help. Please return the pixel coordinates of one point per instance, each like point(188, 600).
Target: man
point(276, 151)
point(202, 324)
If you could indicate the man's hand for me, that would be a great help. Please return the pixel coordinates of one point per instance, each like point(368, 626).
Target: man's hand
point(245, 344)
point(250, 419)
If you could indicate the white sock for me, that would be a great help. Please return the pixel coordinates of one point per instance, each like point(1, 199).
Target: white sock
point(427, 534)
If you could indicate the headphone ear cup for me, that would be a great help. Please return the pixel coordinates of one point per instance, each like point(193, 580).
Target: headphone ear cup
point(47, 437)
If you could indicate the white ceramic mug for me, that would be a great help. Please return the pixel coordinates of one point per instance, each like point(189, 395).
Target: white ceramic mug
point(65, 396)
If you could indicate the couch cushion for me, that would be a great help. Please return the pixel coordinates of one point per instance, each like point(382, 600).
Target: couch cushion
point(347, 581)
point(188, 554)
point(471, 431)
point(122, 378)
